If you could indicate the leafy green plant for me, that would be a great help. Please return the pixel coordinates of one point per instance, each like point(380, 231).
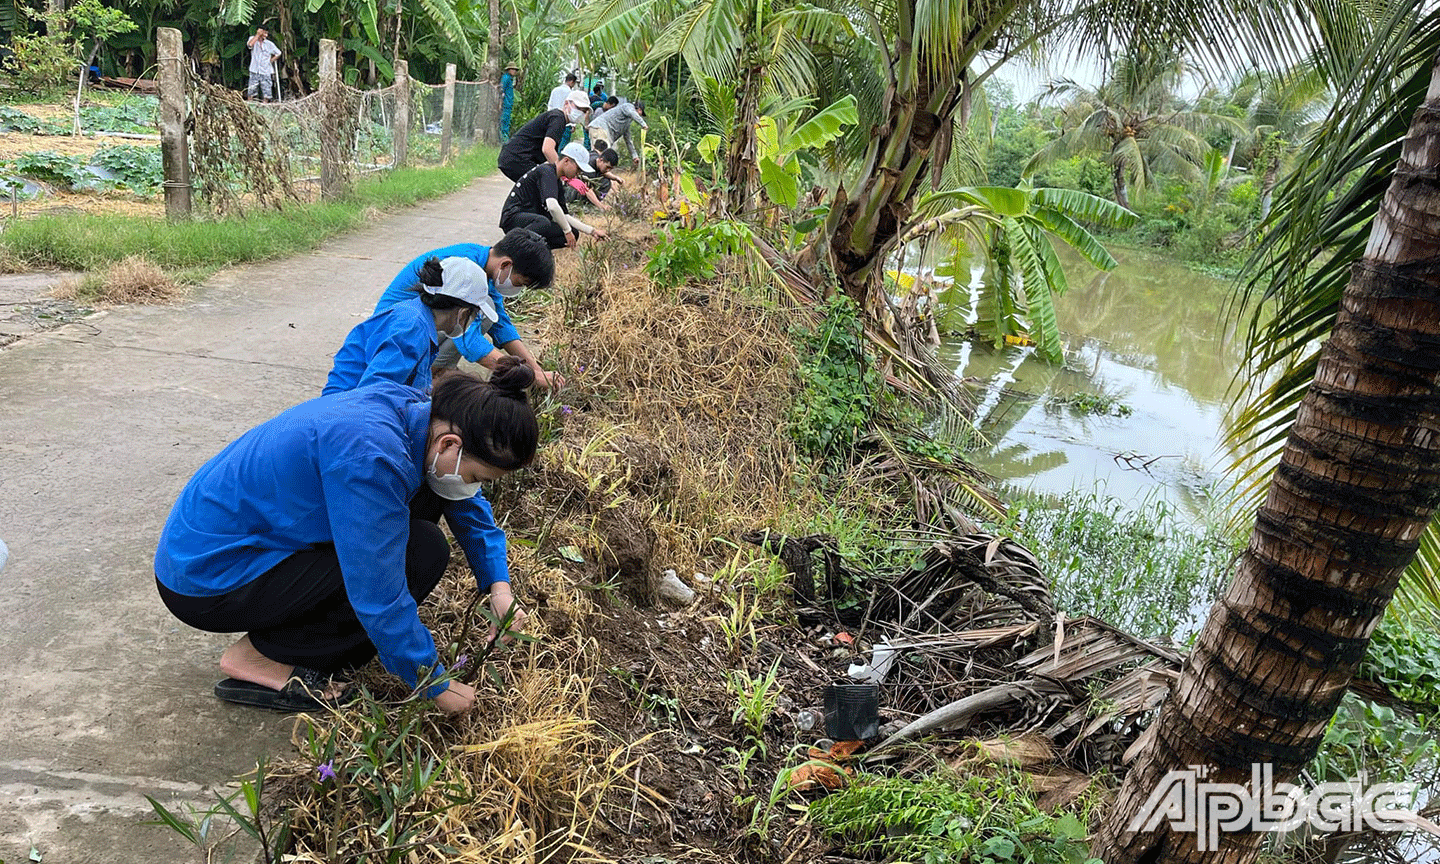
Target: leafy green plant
point(51, 167)
point(199, 826)
point(839, 385)
point(945, 818)
point(755, 700)
point(40, 64)
point(1101, 404)
point(1365, 739)
point(130, 116)
point(137, 168)
point(683, 253)
point(1406, 660)
point(15, 120)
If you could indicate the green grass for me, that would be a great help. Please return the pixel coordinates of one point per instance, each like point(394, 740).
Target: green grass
point(191, 250)
point(1144, 568)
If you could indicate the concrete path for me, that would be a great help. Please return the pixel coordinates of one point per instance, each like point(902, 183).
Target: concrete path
point(103, 696)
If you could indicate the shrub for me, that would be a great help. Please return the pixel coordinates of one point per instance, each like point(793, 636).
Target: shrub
point(41, 64)
point(137, 168)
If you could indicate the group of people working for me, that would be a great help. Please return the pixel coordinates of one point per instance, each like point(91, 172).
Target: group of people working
point(551, 168)
point(316, 533)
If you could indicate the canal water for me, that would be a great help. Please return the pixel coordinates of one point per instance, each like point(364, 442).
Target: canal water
point(1152, 348)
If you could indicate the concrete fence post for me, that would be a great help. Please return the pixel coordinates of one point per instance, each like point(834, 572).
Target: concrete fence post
point(332, 184)
point(447, 125)
point(401, 123)
point(174, 148)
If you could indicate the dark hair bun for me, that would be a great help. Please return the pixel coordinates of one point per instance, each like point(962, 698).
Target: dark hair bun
point(431, 273)
point(512, 376)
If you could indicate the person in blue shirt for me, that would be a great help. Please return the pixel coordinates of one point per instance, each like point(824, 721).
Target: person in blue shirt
point(315, 534)
point(507, 100)
point(400, 343)
point(522, 259)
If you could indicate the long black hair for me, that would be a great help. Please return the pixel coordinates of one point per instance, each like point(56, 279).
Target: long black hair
point(433, 275)
point(494, 418)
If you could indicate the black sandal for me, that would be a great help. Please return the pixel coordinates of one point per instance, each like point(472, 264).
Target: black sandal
point(296, 696)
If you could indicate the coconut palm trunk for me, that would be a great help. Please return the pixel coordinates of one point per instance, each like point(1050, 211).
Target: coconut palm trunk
point(1358, 481)
point(487, 100)
point(742, 165)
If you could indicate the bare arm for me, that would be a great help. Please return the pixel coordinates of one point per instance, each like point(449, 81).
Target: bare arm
point(551, 154)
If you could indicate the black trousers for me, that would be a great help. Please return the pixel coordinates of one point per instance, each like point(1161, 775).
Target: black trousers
point(540, 224)
point(297, 612)
point(514, 166)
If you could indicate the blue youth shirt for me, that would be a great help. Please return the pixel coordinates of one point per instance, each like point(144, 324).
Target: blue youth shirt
point(338, 469)
point(397, 345)
point(472, 343)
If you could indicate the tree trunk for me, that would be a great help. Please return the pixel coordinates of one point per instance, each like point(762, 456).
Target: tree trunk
point(1267, 187)
point(1357, 483)
point(742, 163)
point(487, 108)
point(1117, 175)
point(291, 57)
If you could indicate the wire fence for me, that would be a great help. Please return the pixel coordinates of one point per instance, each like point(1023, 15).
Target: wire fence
point(246, 154)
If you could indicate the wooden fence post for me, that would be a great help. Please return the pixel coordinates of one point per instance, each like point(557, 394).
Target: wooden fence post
point(174, 148)
point(331, 184)
point(401, 123)
point(447, 130)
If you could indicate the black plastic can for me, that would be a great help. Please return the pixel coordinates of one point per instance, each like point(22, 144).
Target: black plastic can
point(852, 711)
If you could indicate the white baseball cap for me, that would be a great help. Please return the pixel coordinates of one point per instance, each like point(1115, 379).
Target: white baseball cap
point(579, 98)
point(465, 280)
point(575, 150)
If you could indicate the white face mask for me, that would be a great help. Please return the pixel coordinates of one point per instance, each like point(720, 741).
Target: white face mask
point(576, 115)
point(462, 323)
point(506, 287)
point(451, 486)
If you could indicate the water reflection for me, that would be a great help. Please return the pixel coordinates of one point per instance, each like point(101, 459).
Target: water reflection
point(1152, 334)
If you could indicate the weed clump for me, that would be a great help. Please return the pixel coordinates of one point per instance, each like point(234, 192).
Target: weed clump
point(136, 279)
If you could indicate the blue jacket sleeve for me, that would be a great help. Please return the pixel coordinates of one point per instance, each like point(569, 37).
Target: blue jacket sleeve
point(503, 330)
point(365, 497)
point(473, 524)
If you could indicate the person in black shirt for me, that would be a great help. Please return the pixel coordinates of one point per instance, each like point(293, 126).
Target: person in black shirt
point(539, 140)
point(536, 202)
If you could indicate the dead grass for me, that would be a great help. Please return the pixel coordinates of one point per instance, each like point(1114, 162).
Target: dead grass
point(133, 280)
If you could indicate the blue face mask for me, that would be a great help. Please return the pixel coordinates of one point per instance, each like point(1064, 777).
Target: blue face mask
point(451, 487)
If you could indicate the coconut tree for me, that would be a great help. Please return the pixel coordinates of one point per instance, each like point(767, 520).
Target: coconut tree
point(1358, 473)
point(1134, 123)
point(1015, 231)
point(761, 45)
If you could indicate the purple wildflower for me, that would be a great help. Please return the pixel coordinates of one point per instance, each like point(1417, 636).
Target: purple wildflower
point(460, 661)
point(566, 409)
point(327, 770)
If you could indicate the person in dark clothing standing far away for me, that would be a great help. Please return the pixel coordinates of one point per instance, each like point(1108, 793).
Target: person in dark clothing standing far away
point(536, 201)
point(315, 534)
point(540, 139)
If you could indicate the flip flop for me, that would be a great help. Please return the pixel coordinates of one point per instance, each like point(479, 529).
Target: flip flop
point(295, 697)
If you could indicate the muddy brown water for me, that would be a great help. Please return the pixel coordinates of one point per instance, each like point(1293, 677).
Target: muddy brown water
point(1158, 338)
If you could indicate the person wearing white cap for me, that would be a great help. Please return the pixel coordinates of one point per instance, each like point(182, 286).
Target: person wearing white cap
point(520, 261)
point(540, 139)
point(400, 343)
point(536, 202)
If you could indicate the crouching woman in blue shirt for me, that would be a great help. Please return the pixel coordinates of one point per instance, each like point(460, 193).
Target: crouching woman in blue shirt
point(301, 534)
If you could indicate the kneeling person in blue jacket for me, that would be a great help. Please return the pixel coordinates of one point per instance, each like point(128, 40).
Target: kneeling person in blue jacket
point(521, 260)
point(315, 533)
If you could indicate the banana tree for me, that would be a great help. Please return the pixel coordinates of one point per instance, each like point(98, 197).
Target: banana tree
point(1015, 230)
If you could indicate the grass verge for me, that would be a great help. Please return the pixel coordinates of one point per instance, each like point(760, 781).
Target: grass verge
point(189, 251)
